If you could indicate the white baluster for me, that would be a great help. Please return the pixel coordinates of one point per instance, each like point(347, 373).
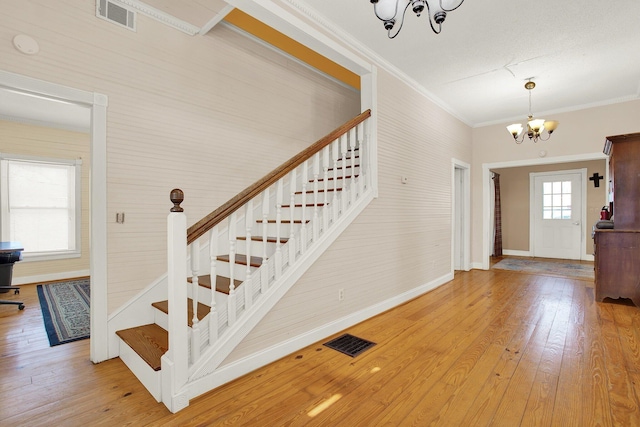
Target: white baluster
point(352, 181)
point(231, 310)
point(325, 207)
point(248, 285)
point(303, 228)
point(213, 311)
point(362, 153)
point(345, 162)
point(264, 268)
point(292, 240)
point(335, 151)
point(195, 323)
point(316, 172)
point(278, 255)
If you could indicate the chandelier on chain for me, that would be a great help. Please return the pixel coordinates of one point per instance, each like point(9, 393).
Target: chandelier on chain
point(391, 12)
point(535, 127)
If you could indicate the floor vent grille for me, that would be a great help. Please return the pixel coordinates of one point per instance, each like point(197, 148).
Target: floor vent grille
point(349, 345)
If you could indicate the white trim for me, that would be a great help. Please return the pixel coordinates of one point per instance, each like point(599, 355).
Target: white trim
point(98, 178)
point(250, 363)
point(219, 17)
point(486, 191)
point(466, 212)
point(513, 252)
point(50, 277)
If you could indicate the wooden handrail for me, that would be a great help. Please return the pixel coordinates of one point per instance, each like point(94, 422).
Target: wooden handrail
point(208, 222)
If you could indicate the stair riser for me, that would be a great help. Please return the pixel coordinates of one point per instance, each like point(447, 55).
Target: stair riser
point(285, 229)
point(257, 248)
point(222, 269)
point(309, 212)
point(148, 377)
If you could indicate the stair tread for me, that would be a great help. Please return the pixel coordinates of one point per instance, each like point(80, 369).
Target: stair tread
point(242, 259)
point(222, 283)
point(320, 190)
point(149, 341)
point(283, 221)
point(260, 239)
point(299, 205)
point(339, 177)
point(203, 310)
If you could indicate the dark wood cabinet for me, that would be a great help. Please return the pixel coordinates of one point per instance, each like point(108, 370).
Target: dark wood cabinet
point(617, 251)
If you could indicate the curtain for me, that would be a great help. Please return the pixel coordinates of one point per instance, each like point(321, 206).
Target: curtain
point(497, 226)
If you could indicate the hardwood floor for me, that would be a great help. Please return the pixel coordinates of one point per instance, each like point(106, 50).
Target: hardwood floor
point(491, 348)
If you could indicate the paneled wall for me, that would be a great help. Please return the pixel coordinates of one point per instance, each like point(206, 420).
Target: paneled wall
point(41, 141)
point(209, 114)
point(401, 241)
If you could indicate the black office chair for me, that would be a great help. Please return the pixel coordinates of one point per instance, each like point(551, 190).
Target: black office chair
point(10, 253)
point(16, 291)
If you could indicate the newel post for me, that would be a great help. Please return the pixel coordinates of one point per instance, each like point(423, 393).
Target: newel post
point(175, 362)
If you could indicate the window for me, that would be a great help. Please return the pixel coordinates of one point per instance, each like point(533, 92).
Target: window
point(556, 200)
point(40, 205)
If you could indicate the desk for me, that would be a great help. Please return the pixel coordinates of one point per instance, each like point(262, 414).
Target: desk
point(10, 252)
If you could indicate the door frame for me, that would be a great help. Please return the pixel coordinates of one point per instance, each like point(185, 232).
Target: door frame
point(486, 191)
point(461, 209)
point(583, 214)
point(97, 194)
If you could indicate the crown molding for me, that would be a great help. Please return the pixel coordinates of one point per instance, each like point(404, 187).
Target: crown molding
point(303, 8)
point(160, 16)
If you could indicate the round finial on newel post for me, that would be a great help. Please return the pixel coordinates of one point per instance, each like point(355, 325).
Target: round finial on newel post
point(176, 196)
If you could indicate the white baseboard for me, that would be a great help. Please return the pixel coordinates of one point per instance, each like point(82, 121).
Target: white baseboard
point(512, 252)
point(24, 280)
point(241, 367)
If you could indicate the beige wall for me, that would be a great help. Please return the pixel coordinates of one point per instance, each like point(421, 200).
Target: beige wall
point(211, 115)
point(208, 114)
point(515, 201)
point(32, 140)
point(580, 132)
point(401, 241)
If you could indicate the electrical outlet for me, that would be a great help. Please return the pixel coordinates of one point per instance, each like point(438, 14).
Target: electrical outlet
point(340, 294)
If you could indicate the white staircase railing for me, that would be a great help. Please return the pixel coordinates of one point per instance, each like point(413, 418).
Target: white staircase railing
point(251, 245)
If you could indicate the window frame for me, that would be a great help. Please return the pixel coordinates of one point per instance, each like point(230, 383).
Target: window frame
point(76, 227)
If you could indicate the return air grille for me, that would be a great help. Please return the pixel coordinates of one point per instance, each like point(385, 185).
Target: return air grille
point(349, 345)
point(116, 13)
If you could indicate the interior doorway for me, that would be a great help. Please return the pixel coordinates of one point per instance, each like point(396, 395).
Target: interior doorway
point(97, 104)
point(461, 216)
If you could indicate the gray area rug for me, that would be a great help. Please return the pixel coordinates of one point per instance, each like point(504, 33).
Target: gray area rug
point(583, 271)
point(65, 310)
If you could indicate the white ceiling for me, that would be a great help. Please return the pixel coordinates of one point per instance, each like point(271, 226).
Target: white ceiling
point(580, 53)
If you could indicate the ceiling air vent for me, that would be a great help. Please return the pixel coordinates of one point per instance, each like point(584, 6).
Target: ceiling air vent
point(116, 13)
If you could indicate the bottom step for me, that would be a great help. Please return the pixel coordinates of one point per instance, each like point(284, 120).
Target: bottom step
point(150, 342)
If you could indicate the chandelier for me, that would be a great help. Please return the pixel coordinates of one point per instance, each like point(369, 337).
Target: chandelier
point(392, 11)
point(535, 127)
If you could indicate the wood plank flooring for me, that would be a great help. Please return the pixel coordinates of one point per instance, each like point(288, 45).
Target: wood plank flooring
point(490, 348)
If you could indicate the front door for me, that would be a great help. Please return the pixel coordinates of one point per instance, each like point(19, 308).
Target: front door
point(557, 214)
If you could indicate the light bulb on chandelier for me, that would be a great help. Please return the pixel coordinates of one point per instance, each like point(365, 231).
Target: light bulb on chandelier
point(535, 127)
point(390, 12)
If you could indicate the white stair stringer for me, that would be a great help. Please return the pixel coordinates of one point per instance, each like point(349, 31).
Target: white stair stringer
point(201, 376)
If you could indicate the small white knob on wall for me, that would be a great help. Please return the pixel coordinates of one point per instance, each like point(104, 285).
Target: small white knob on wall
point(404, 179)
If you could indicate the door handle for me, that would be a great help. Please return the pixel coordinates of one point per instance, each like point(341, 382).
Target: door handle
point(576, 223)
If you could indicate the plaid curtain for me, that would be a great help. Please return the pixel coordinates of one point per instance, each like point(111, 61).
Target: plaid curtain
point(497, 241)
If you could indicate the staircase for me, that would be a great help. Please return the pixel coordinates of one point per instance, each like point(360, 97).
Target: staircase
point(253, 249)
